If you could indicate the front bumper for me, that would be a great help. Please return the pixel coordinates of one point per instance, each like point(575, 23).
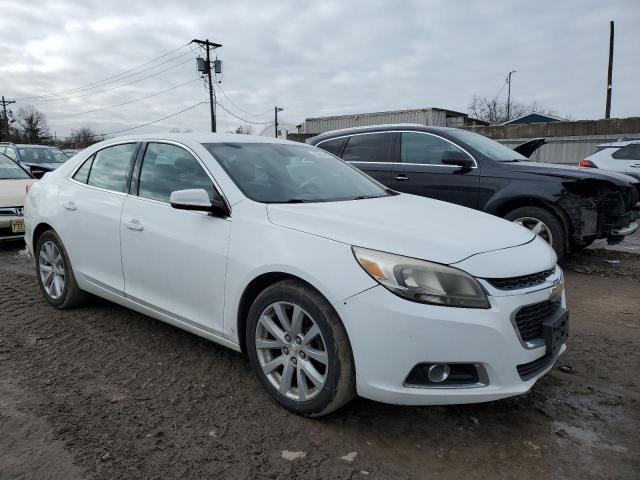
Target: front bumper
point(390, 336)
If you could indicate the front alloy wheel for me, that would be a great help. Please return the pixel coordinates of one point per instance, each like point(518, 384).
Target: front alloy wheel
point(536, 226)
point(299, 349)
point(51, 268)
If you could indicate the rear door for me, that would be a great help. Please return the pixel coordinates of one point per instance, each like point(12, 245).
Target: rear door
point(630, 155)
point(420, 170)
point(372, 153)
point(89, 205)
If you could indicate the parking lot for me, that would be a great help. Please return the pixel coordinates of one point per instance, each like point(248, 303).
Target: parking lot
point(102, 392)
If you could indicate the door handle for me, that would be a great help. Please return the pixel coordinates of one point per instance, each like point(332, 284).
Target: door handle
point(134, 224)
point(402, 177)
point(70, 205)
point(636, 165)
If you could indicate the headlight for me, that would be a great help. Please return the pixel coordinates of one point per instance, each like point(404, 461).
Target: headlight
point(422, 281)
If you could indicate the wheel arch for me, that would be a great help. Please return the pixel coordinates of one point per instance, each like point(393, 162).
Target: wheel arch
point(38, 231)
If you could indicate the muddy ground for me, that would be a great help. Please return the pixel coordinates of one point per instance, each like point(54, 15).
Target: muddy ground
point(102, 392)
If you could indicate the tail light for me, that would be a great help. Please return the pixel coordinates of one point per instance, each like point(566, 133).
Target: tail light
point(587, 164)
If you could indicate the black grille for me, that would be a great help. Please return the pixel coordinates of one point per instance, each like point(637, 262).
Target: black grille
point(529, 319)
point(515, 283)
point(531, 369)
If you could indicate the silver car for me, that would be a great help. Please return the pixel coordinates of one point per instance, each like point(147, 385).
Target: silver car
point(620, 157)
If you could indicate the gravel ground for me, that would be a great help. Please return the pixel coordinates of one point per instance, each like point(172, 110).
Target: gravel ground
point(102, 392)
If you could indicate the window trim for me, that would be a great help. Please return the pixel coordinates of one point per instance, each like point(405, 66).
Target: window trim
point(135, 187)
point(475, 162)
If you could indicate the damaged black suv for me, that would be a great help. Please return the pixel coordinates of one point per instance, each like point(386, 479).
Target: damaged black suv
point(568, 207)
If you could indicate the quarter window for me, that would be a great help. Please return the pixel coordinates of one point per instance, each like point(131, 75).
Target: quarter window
point(333, 146)
point(630, 152)
point(167, 168)
point(371, 147)
point(82, 175)
point(424, 149)
point(110, 168)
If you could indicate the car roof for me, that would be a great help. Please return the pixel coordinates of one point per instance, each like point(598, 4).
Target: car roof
point(202, 137)
point(27, 145)
point(386, 127)
point(622, 143)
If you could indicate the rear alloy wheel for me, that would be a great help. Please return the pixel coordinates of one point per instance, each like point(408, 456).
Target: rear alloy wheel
point(299, 349)
point(543, 223)
point(55, 275)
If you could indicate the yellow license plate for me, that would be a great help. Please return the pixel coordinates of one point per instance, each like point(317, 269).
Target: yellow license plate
point(17, 226)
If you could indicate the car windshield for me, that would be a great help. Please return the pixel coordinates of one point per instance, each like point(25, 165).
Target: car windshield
point(489, 148)
point(42, 155)
point(9, 170)
point(278, 173)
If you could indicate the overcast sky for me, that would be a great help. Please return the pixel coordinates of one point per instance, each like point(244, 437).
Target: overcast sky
point(328, 58)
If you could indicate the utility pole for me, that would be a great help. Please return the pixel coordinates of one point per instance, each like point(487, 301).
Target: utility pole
point(607, 111)
point(509, 95)
point(4, 126)
point(277, 109)
point(207, 69)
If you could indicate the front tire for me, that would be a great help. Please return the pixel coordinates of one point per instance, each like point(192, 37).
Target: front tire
point(544, 224)
point(55, 275)
point(299, 349)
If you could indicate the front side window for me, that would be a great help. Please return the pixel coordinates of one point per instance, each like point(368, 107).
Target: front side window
point(487, 147)
point(10, 170)
point(370, 147)
point(42, 155)
point(424, 149)
point(276, 173)
point(111, 166)
point(167, 168)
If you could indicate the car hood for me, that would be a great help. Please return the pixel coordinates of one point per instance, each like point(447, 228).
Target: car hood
point(403, 224)
point(569, 171)
point(13, 192)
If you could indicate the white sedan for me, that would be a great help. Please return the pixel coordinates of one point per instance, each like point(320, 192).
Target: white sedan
point(331, 283)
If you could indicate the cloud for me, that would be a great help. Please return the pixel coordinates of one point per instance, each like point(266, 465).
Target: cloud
point(313, 59)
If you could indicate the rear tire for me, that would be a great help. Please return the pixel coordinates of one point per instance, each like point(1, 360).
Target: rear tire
point(545, 224)
point(55, 274)
point(294, 327)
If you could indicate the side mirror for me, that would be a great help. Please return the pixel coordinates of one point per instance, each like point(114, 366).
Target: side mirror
point(197, 199)
point(37, 172)
point(457, 157)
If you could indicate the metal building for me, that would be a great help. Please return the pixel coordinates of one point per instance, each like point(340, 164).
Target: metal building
point(439, 117)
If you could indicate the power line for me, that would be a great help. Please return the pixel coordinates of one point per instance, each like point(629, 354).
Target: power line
point(154, 121)
point(117, 86)
point(240, 118)
point(97, 83)
point(126, 103)
point(239, 107)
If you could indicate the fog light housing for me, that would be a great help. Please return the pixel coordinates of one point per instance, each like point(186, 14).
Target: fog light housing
point(447, 375)
point(438, 372)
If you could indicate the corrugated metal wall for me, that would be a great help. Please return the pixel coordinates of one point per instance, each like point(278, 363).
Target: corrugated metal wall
point(568, 150)
point(423, 116)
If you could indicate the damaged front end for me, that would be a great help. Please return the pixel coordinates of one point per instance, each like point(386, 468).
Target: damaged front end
point(599, 209)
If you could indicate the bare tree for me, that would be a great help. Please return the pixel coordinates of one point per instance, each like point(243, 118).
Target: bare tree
point(494, 111)
point(83, 137)
point(244, 130)
point(33, 125)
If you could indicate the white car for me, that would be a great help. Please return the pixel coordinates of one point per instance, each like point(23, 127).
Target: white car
point(331, 283)
point(14, 182)
point(619, 157)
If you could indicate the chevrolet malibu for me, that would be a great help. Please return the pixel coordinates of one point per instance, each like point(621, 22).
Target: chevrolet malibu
point(331, 283)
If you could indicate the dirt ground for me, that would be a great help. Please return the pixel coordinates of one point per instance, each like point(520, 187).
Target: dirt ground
point(102, 392)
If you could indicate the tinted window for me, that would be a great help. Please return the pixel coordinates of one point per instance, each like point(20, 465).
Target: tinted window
point(111, 165)
point(82, 175)
point(371, 147)
point(630, 152)
point(167, 168)
point(42, 155)
point(333, 146)
point(424, 149)
point(487, 147)
point(10, 169)
point(275, 173)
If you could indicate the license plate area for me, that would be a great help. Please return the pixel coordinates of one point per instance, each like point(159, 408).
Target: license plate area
point(555, 331)
point(17, 226)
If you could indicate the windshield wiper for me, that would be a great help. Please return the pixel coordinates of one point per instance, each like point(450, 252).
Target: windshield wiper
point(295, 200)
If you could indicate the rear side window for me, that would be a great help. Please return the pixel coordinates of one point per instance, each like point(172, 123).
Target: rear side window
point(370, 147)
point(111, 166)
point(333, 146)
point(630, 152)
point(167, 168)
